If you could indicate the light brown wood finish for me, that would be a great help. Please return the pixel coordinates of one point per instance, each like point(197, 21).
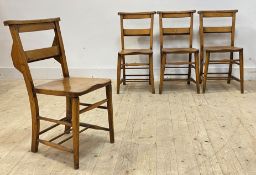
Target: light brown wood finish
point(71, 88)
point(122, 64)
point(166, 51)
point(205, 61)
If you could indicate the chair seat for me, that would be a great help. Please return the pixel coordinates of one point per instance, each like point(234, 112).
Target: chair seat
point(179, 50)
point(135, 52)
point(223, 49)
point(73, 87)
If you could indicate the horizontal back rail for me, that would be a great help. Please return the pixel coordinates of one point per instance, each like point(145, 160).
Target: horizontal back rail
point(218, 29)
point(41, 54)
point(36, 27)
point(176, 31)
point(137, 32)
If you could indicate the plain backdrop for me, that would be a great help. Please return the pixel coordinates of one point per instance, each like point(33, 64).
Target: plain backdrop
point(91, 32)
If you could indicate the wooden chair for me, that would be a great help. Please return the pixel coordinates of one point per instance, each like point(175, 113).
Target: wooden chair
point(220, 49)
point(190, 50)
point(71, 88)
point(122, 64)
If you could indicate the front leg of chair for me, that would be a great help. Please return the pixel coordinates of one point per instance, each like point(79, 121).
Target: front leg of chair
point(197, 72)
point(110, 113)
point(151, 69)
point(68, 114)
point(75, 130)
point(189, 68)
point(206, 65)
point(162, 68)
point(118, 74)
point(230, 67)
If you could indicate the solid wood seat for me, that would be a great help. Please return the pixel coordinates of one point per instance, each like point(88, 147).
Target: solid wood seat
point(122, 64)
point(206, 51)
point(189, 51)
point(72, 87)
point(179, 50)
point(223, 49)
point(136, 52)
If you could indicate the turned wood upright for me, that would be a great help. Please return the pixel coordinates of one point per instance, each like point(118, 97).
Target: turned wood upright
point(71, 88)
point(205, 52)
point(122, 64)
point(190, 51)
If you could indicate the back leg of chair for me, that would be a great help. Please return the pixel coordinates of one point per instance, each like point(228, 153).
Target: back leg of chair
point(110, 113)
point(230, 67)
point(124, 71)
point(241, 59)
point(189, 68)
point(149, 82)
point(35, 132)
point(68, 114)
point(75, 130)
point(118, 74)
point(151, 69)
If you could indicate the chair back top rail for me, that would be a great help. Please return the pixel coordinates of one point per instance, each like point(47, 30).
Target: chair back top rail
point(176, 14)
point(136, 15)
point(217, 13)
point(176, 30)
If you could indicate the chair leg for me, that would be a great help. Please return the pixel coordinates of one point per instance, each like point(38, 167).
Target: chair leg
point(110, 113)
point(35, 133)
point(68, 114)
point(197, 72)
point(201, 64)
point(124, 71)
point(189, 69)
point(230, 67)
point(151, 69)
point(118, 74)
point(149, 82)
point(241, 58)
point(75, 130)
point(206, 65)
point(162, 69)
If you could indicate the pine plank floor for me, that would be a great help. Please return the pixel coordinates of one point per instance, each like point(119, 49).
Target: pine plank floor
point(176, 133)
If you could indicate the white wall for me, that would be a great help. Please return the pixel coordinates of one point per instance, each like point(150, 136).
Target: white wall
point(91, 31)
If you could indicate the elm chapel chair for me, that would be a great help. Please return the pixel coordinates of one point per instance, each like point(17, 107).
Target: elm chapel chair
point(206, 61)
point(71, 88)
point(122, 64)
point(190, 51)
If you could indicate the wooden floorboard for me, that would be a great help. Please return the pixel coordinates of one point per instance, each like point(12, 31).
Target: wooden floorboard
point(176, 133)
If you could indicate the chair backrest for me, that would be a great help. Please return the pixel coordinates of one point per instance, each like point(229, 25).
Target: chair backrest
point(217, 29)
point(136, 32)
point(21, 58)
point(176, 31)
